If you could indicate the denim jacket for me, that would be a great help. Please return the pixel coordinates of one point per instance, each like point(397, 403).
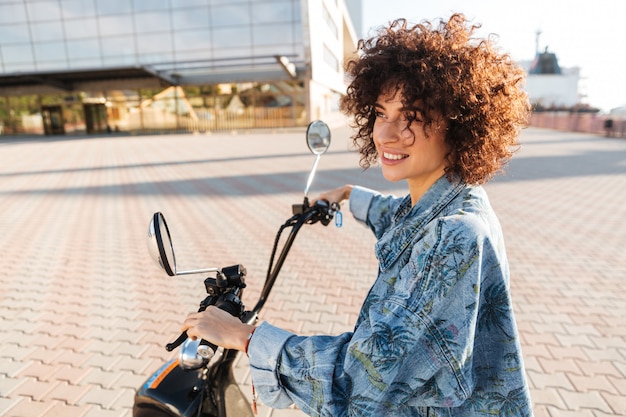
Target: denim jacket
point(436, 334)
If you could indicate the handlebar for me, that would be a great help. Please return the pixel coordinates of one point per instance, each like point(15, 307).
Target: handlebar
point(224, 290)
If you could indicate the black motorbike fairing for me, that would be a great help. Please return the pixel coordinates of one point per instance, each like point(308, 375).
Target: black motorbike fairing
point(170, 392)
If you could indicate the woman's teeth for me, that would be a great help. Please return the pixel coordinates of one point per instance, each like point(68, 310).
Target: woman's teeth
point(394, 156)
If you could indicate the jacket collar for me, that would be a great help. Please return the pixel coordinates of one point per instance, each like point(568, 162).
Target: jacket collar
point(407, 221)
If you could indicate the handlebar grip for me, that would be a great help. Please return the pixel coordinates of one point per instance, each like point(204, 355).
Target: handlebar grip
point(206, 349)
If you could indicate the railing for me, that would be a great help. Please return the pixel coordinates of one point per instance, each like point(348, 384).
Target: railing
point(581, 122)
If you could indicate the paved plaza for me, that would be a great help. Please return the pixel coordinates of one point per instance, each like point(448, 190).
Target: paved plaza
point(85, 314)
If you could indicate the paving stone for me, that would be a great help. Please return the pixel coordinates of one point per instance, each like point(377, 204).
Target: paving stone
point(584, 400)
point(100, 315)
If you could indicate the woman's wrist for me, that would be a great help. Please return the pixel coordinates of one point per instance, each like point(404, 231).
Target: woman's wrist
point(244, 337)
point(347, 190)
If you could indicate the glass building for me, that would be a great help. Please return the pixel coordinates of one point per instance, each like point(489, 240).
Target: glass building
point(186, 65)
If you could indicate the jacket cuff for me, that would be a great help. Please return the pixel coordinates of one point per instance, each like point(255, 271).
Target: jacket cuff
point(360, 200)
point(264, 354)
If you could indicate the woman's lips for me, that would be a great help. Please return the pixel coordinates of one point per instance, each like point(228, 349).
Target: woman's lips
point(391, 157)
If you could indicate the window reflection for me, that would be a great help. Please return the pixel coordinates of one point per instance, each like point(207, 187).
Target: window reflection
point(84, 48)
point(152, 22)
point(143, 5)
point(278, 11)
point(86, 63)
point(116, 25)
point(12, 13)
point(189, 3)
point(155, 47)
point(118, 46)
point(14, 33)
point(17, 53)
point(192, 39)
point(81, 28)
point(107, 7)
point(48, 31)
point(272, 34)
point(232, 37)
point(72, 9)
point(49, 51)
point(43, 11)
point(190, 18)
point(231, 15)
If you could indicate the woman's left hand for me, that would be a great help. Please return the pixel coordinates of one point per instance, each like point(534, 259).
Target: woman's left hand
point(218, 327)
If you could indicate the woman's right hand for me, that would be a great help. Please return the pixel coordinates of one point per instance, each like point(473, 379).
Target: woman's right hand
point(335, 196)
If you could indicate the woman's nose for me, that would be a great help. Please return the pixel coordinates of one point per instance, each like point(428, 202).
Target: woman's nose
point(391, 131)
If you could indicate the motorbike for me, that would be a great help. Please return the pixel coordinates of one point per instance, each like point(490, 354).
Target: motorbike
point(200, 382)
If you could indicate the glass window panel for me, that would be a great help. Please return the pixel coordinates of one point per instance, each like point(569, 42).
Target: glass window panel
point(86, 63)
point(232, 52)
point(49, 51)
point(192, 39)
point(193, 55)
point(81, 28)
point(191, 18)
point(12, 13)
point(281, 11)
point(84, 48)
point(272, 34)
point(231, 15)
point(145, 5)
point(118, 46)
point(107, 7)
point(188, 3)
point(269, 50)
point(78, 8)
point(231, 37)
point(14, 33)
point(217, 2)
point(116, 25)
point(152, 22)
point(17, 53)
point(43, 11)
point(51, 65)
point(48, 31)
point(154, 44)
point(20, 66)
point(119, 61)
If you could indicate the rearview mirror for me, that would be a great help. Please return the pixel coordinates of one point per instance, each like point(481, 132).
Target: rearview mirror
point(161, 249)
point(318, 141)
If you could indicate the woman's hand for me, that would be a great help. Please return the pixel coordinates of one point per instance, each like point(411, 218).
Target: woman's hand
point(218, 327)
point(335, 196)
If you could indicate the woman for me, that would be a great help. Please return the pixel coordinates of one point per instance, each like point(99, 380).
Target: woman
point(436, 334)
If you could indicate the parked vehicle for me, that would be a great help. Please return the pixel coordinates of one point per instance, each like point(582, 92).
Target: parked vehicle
point(200, 381)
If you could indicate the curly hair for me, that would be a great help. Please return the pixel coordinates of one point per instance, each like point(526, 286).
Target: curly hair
point(476, 89)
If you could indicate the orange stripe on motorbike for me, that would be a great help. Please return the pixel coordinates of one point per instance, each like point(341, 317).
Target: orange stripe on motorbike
point(163, 374)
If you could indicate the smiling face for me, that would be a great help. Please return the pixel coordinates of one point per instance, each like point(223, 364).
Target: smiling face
point(410, 152)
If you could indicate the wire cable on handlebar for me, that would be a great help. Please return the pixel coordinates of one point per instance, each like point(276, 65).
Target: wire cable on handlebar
point(288, 223)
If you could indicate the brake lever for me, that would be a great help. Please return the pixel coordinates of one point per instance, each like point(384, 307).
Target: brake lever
point(171, 346)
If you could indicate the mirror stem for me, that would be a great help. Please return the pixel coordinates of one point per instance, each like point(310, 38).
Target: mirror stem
point(311, 175)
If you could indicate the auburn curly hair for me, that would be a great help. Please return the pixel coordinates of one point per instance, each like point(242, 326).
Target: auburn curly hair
point(476, 89)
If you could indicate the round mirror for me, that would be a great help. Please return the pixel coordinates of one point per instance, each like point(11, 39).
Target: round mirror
point(318, 137)
point(160, 244)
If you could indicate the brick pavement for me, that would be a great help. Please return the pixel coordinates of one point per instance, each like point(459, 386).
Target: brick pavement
point(84, 313)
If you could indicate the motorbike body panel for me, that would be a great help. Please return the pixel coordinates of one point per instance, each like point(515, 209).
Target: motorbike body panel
point(174, 392)
point(170, 391)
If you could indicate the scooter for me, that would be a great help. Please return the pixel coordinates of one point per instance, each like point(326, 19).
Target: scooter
point(200, 382)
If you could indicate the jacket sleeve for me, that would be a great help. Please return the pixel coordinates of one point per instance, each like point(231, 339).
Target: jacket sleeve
point(373, 209)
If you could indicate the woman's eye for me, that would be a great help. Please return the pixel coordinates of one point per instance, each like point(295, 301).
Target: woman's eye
point(379, 115)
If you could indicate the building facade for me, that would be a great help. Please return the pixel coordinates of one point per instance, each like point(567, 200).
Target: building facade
point(186, 65)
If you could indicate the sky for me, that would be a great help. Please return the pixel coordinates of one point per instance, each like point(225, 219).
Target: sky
point(589, 34)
